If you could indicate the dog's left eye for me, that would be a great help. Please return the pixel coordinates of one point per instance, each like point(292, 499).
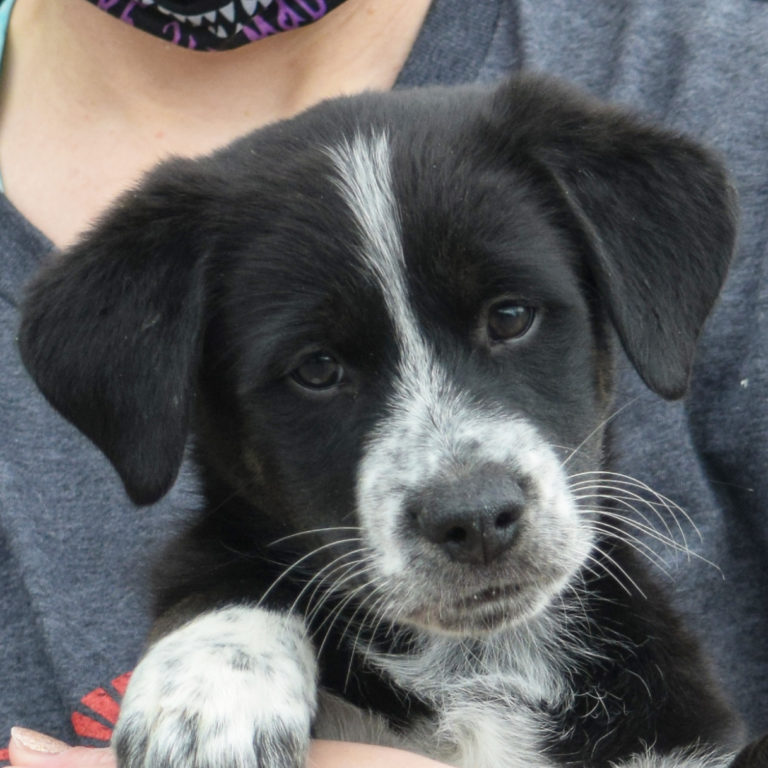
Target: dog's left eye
point(319, 370)
point(509, 320)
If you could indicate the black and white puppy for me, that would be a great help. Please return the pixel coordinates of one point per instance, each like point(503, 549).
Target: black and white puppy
point(389, 322)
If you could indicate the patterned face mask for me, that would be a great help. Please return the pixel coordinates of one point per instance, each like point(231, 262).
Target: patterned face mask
point(208, 25)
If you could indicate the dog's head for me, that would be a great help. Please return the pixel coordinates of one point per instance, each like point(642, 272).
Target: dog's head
point(394, 312)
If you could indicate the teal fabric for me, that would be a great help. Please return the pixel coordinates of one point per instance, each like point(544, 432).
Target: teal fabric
point(6, 6)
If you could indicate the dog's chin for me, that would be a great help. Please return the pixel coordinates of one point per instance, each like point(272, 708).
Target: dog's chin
point(484, 612)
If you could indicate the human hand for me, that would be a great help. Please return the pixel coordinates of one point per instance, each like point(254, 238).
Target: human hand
point(29, 749)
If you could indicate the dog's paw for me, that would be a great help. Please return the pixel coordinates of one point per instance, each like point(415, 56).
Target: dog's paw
point(234, 688)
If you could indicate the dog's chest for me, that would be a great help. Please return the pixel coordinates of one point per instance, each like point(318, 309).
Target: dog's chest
point(472, 734)
point(482, 719)
point(489, 735)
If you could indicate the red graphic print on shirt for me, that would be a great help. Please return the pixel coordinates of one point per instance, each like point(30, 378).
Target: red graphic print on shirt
point(98, 715)
point(95, 717)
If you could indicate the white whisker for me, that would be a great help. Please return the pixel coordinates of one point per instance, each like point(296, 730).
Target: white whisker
point(605, 556)
point(644, 527)
point(301, 560)
point(625, 489)
point(672, 507)
point(351, 572)
point(635, 543)
point(322, 575)
point(334, 615)
point(329, 529)
point(599, 427)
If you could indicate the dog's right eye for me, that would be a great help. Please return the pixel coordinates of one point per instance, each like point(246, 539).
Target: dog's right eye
point(509, 320)
point(318, 371)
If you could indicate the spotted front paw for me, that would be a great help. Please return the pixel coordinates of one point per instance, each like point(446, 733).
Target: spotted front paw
point(234, 688)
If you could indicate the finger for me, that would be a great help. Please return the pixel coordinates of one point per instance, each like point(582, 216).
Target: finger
point(342, 754)
point(30, 749)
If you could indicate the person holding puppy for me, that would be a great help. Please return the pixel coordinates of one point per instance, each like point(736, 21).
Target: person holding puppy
point(93, 94)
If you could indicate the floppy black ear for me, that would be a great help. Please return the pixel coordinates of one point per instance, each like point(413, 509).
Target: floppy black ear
point(656, 209)
point(111, 331)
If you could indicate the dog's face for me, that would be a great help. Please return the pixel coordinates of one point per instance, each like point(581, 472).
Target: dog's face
point(392, 318)
point(420, 375)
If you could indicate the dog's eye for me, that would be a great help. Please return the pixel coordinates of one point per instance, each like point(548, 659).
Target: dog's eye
point(509, 321)
point(318, 370)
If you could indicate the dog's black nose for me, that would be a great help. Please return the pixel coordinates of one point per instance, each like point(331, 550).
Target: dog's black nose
point(474, 520)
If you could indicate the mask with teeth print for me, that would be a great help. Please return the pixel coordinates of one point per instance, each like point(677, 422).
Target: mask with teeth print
point(212, 25)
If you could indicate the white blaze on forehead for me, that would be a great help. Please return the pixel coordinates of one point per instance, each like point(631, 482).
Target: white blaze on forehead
point(364, 178)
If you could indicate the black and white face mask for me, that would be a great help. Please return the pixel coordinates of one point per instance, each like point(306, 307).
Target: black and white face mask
point(212, 25)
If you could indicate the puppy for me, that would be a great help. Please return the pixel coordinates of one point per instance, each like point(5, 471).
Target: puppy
point(390, 323)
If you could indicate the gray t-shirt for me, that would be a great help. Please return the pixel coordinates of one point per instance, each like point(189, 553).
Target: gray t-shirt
point(73, 612)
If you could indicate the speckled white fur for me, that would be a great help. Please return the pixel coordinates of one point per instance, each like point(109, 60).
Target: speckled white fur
point(233, 687)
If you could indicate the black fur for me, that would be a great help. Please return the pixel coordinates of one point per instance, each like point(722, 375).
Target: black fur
point(192, 301)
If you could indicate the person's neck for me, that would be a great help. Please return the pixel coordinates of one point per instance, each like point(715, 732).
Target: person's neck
point(104, 63)
point(88, 103)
